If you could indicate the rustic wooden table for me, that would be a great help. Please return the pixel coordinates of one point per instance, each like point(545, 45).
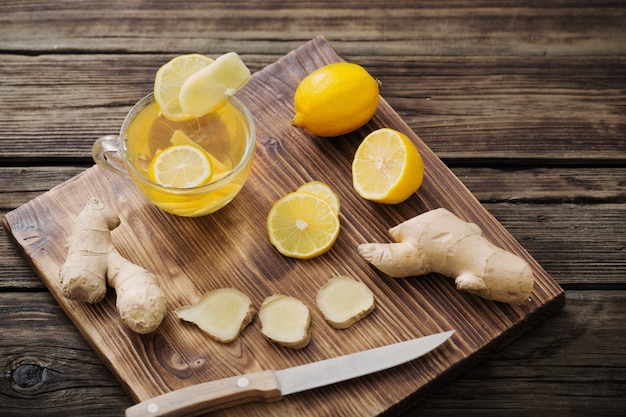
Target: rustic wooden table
point(524, 101)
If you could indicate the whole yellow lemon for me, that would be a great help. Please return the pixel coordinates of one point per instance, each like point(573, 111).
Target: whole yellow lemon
point(335, 99)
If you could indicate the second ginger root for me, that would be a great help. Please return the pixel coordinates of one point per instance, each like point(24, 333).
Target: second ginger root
point(438, 241)
point(93, 259)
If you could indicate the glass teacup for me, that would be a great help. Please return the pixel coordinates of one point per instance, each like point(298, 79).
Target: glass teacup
point(227, 135)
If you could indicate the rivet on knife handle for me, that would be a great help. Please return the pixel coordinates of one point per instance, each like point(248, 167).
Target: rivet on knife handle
point(210, 396)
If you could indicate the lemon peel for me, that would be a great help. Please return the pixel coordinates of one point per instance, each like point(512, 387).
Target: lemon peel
point(335, 99)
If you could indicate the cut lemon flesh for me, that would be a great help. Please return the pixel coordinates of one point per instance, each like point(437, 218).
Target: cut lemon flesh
point(387, 167)
point(218, 168)
point(323, 191)
point(302, 226)
point(208, 89)
point(181, 166)
point(170, 78)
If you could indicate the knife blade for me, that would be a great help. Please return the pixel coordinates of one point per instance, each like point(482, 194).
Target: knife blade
point(271, 386)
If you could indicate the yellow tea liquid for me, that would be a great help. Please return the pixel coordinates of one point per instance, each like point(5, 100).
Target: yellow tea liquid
point(224, 134)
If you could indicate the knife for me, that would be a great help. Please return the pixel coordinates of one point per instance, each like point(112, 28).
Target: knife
point(271, 386)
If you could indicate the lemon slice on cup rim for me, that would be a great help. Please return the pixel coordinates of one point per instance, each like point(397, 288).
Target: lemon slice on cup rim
point(193, 85)
point(170, 78)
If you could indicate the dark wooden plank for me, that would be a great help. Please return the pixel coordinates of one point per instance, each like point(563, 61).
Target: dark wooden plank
point(546, 110)
point(21, 184)
point(285, 158)
point(50, 370)
point(453, 71)
point(555, 185)
point(15, 272)
point(540, 185)
point(579, 245)
point(571, 365)
point(397, 27)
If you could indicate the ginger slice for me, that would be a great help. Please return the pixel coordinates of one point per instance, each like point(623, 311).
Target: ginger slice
point(222, 314)
point(286, 321)
point(343, 301)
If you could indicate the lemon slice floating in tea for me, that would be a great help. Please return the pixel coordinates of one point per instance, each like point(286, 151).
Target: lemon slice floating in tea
point(218, 168)
point(208, 89)
point(387, 167)
point(170, 78)
point(302, 226)
point(181, 166)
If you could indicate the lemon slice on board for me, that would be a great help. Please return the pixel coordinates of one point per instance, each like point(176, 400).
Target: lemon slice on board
point(208, 89)
point(170, 78)
point(181, 166)
point(323, 191)
point(387, 167)
point(302, 226)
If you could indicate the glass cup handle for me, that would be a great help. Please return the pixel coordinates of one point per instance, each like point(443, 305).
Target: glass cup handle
point(106, 153)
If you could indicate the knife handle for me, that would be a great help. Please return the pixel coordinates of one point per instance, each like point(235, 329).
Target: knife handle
point(210, 396)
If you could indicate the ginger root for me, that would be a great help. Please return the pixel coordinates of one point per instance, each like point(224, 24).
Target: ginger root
point(92, 259)
point(438, 241)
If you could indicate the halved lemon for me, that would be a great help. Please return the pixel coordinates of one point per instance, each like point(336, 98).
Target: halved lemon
point(169, 80)
point(323, 191)
point(302, 226)
point(387, 167)
point(181, 166)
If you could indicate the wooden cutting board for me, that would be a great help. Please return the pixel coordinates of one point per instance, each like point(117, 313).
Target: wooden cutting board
point(230, 248)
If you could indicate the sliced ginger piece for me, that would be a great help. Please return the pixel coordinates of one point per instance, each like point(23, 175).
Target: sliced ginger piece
point(209, 88)
point(286, 321)
point(222, 314)
point(343, 301)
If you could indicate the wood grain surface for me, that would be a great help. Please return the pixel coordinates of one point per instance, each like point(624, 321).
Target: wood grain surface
point(523, 100)
point(230, 248)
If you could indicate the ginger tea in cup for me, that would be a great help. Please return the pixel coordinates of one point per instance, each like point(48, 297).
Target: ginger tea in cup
point(188, 168)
